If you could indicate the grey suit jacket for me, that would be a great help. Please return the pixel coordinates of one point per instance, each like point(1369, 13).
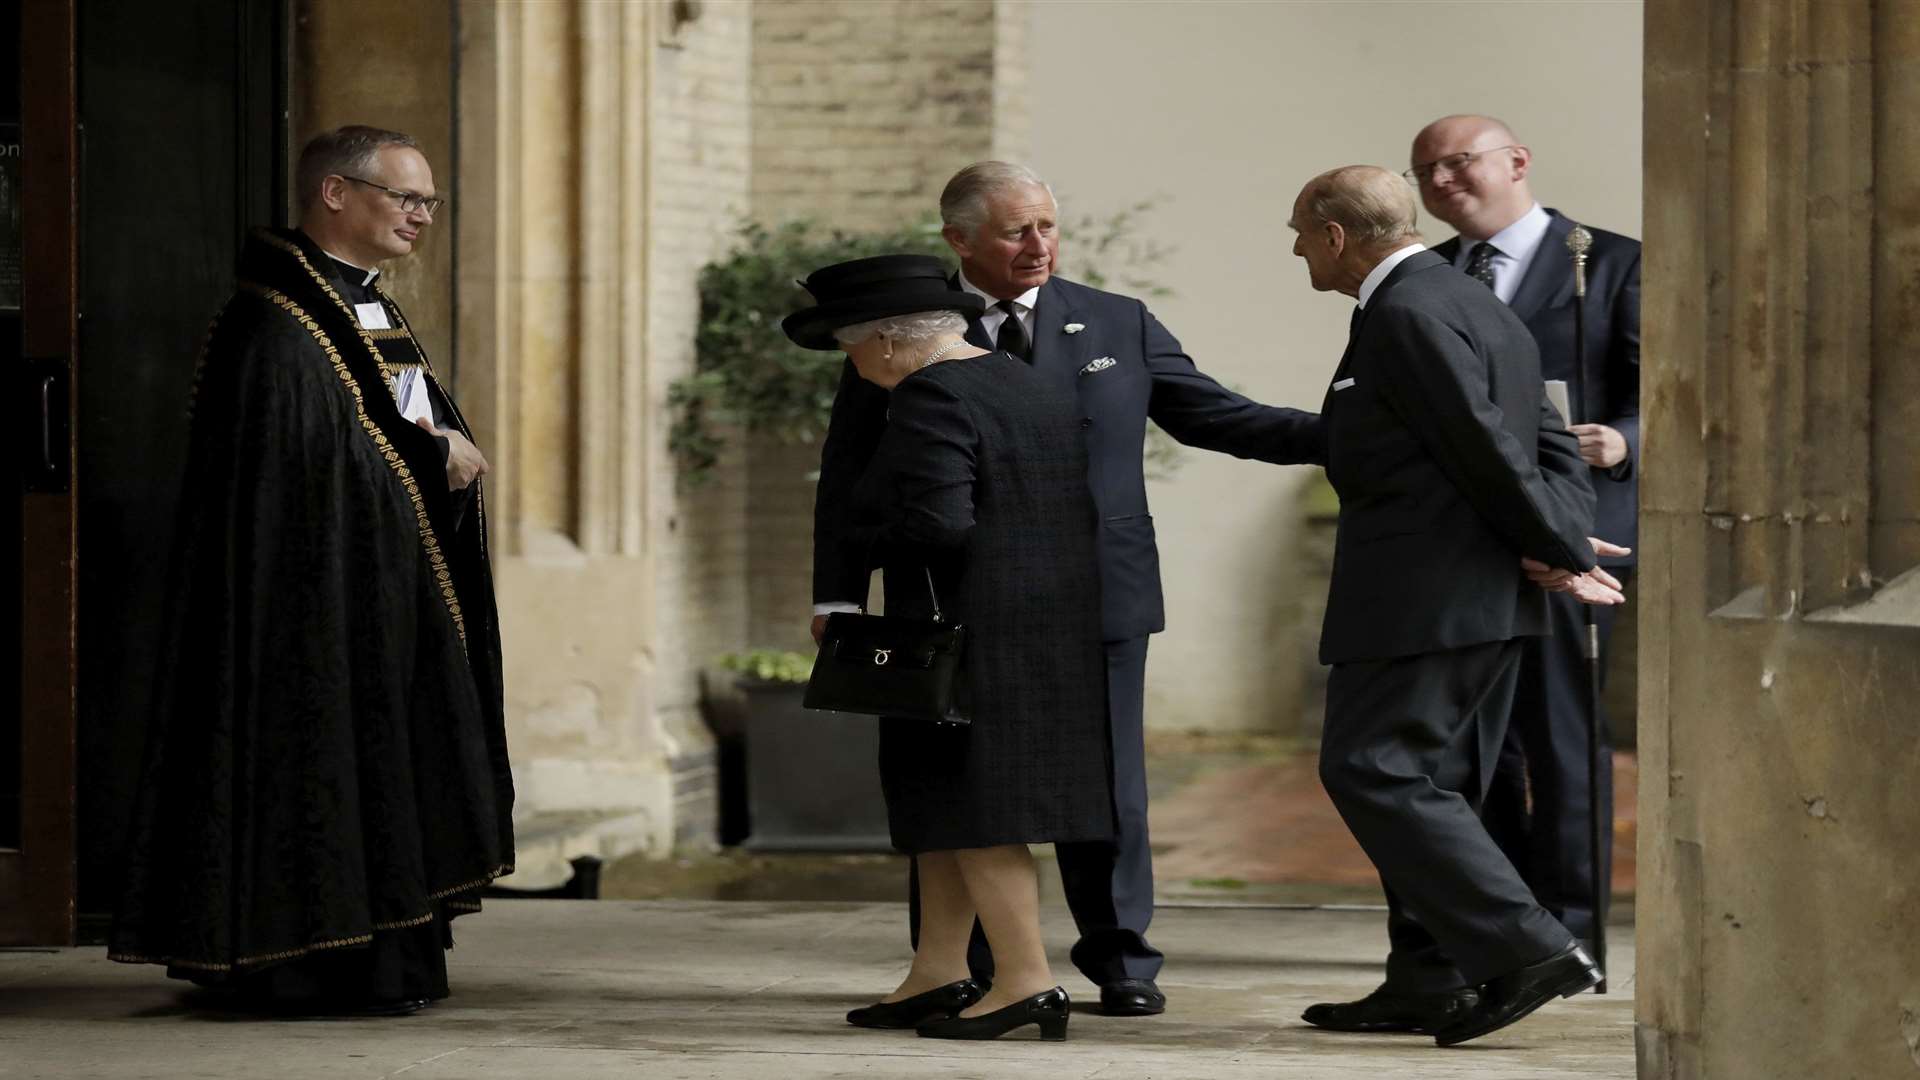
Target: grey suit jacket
point(1450, 465)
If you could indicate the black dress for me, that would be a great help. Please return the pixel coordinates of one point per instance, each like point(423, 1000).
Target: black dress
point(982, 477)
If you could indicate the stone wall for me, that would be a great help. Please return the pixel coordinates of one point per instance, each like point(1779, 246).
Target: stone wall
point(702, 129)
point(391, 67)
point(603, 158)
point(1779, 654)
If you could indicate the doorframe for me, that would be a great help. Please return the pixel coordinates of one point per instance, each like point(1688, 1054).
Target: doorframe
point(37, 881)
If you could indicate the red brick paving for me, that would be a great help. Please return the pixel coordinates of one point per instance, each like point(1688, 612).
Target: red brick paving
point(1271, 823)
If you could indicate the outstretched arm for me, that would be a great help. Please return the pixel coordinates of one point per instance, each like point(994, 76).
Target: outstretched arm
point(1198, 411)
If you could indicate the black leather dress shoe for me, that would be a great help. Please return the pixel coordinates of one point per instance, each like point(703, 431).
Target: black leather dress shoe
point(1132, 997)
point(1509, 997)
point(941, 1001)
point(1385, 1010)
point(1049, 1009)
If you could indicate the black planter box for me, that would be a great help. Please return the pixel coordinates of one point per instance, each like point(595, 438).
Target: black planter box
point(813, 778)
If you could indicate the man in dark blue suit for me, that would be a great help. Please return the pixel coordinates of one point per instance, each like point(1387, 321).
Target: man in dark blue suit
point(1472, 174)
point(1001, 220)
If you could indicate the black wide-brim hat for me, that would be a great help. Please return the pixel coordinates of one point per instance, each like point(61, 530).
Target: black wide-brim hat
point(876, 288)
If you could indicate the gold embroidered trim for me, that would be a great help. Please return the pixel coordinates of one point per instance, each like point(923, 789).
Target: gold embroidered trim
point(429, 540)
point(326, 286)
point(358, 939)
point(388, 335)
point(494, 873)
point(404, 923)
point(208, 965)
point(459, 421)
point(200, 366)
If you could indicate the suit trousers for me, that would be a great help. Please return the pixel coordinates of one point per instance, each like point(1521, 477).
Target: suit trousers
point(1539, 807)
point(1108, 884)
point(1408, 751)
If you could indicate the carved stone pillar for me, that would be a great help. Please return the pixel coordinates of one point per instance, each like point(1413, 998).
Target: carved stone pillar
point(1780, 530)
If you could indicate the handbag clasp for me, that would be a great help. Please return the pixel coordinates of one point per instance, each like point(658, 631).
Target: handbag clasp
point(881, 656)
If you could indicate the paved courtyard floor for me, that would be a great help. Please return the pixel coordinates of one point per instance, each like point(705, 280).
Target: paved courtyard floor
point(672, 989)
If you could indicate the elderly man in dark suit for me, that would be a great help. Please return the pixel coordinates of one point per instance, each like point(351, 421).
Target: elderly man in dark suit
point(1472, 173)
point(1454, 477)
point(1124, 368)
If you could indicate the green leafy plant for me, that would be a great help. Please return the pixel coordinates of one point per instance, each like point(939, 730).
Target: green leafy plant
point(770, 665)
point(748, 377)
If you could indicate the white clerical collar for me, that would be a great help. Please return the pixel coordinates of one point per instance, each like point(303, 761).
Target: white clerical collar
point(1519, 240)
point(371, 274)
point(1386, 266)
point(1026, 300)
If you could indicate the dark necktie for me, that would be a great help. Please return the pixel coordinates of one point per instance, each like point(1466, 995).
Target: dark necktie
point(1013, 336)
point(1480, 263)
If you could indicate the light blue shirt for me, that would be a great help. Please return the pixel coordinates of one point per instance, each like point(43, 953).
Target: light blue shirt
point(1514, 249)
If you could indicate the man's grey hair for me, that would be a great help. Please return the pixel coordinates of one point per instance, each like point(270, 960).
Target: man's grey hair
point(345, 151)
point(912, 329)
point(963, 203)
point(1373, 205)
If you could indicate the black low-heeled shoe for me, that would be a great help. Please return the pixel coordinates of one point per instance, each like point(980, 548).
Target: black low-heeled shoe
point(941, 1001)
point(1049, 1009)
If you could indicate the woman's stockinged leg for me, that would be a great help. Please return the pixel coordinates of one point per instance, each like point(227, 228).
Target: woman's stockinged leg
point(1005, 890)
point(946, 922)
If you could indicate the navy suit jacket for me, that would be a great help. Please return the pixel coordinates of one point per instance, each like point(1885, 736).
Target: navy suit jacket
point(1544, 302)
point(1148, 376)
point(1450, 464)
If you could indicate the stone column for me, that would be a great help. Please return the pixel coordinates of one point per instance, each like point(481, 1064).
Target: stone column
point(1779, 539)
point(602, 156)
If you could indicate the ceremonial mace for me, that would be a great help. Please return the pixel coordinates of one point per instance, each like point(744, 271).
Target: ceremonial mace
point(1578, 241)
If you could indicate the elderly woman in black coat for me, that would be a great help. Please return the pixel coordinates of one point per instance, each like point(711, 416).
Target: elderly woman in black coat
point(980, 479)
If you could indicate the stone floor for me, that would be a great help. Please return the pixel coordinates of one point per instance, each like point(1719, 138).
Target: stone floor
point(572, 990)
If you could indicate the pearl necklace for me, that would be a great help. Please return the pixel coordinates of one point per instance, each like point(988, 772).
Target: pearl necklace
point(940, 354)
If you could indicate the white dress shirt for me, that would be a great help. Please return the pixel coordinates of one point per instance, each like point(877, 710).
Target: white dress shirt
point(1379, 275)
point(1514, 249)
point(994, 315)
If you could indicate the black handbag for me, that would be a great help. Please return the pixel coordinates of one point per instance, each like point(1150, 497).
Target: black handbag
point(890, 665)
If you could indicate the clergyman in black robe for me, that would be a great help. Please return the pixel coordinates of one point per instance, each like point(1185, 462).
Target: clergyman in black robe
point(327, 781)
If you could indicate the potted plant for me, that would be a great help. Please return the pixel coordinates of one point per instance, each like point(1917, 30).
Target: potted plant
point(812, 778)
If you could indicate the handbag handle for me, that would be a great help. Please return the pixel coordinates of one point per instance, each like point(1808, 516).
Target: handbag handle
point(931, 594)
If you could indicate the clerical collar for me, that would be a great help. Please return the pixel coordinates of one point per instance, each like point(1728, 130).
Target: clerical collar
point(350, 271)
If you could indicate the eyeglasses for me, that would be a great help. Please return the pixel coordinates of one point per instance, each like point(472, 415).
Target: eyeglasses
point(1452, 164)
point(409, 200)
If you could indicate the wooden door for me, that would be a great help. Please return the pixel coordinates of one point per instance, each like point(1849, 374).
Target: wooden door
point(41, 334)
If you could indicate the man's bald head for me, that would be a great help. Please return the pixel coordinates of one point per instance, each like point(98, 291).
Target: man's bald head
point(1472, 173)
point(1470, 130)
point(1348, 219)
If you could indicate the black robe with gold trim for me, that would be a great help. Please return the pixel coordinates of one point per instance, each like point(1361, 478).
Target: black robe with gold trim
point(327, 778)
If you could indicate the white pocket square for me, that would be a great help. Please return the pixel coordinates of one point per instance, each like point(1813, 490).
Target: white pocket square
point(1342, 384)
point(1101, 364)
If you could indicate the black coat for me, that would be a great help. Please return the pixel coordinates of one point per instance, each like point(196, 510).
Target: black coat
point(1544, 302)
point(981, 476)
point(1149, 377)
point(328, 756)
point(1450, 465)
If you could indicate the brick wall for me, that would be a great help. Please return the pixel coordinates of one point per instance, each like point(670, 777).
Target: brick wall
point(699, 115)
